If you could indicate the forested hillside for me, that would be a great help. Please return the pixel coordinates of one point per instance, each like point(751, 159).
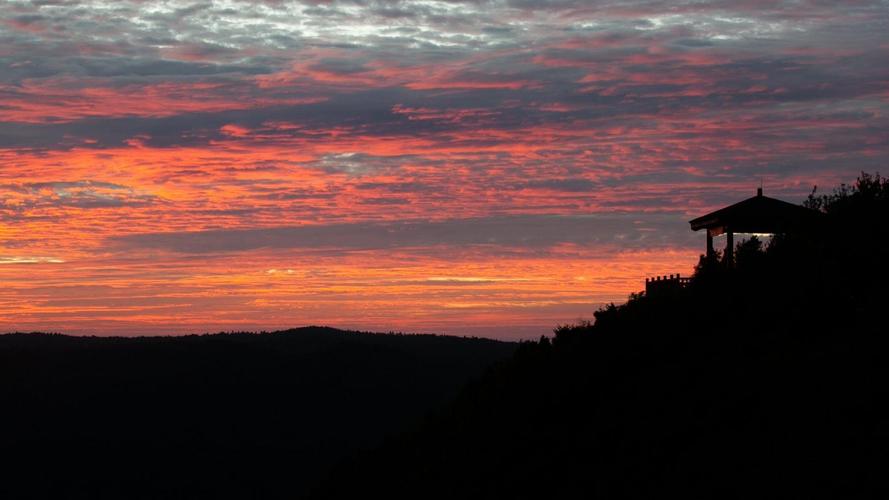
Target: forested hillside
point(764, 378)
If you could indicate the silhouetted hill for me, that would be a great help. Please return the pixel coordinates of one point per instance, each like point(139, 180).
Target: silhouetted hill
point(768, 379)
point(216, 416)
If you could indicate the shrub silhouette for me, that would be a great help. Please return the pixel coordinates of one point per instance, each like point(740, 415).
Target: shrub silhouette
point(749, 253)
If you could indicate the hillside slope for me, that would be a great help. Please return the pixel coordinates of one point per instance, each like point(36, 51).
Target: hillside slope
point(216, 416)
point(765, 379)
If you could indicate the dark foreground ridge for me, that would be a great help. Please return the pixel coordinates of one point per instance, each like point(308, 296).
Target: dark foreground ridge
point(220, 416)
point(767, 378)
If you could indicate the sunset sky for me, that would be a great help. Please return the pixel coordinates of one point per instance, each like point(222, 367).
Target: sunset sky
point(473, 167)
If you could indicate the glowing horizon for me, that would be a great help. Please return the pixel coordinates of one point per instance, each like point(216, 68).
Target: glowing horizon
point(490, 168)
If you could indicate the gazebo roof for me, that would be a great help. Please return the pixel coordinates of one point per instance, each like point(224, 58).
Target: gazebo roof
point(759, 214)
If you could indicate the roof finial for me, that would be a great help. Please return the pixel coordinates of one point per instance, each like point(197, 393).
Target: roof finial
point(759, 189)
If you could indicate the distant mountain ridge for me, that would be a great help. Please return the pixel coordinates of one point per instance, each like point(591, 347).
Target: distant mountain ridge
point(229, 415)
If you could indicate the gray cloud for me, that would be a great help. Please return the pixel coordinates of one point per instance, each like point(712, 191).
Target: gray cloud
point(525, 231)
point(78, 194)
point(568, 184)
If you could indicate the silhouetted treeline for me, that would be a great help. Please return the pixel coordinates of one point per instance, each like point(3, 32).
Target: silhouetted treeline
point(762, 379)
point(221, 416)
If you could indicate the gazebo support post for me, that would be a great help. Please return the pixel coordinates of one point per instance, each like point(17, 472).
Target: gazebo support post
point(710, 251)
point(729, 248)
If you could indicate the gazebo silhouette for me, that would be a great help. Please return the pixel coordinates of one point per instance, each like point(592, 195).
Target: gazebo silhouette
point(757, 215)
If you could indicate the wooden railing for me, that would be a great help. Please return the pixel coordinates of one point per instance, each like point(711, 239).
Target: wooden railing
point(665, 284)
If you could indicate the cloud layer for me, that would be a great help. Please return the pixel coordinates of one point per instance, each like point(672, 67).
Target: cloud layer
point(147, 146)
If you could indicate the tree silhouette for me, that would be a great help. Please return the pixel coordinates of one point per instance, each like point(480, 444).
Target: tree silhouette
point(749, 253)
